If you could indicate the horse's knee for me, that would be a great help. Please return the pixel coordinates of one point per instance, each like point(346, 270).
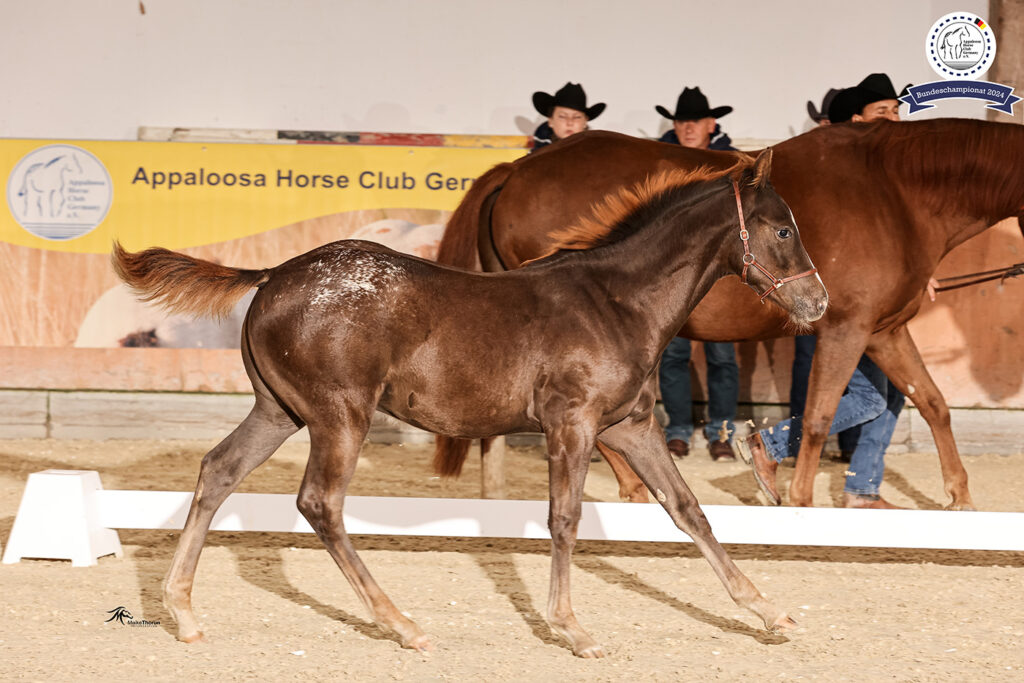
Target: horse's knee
point(316, 507)
point(563, 525)
point(816, 429)
point(692, 519)
point(934, 410)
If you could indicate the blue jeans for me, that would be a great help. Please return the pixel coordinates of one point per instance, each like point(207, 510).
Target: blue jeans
point(723, 388)
point(803, 354)
point(873, 403)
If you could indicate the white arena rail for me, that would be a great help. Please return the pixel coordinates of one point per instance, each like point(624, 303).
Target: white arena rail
point(66, 514)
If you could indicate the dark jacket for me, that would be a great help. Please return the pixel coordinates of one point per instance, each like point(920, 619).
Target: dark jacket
point(543, 136)
point(720, 141)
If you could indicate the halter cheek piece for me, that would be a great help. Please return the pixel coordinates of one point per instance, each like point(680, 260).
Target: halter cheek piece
point(749, 260)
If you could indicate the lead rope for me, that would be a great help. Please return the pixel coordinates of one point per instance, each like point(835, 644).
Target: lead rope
point(749, 260)
point(998, 274)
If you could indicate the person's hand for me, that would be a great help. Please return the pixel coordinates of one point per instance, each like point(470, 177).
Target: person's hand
point(931, 287)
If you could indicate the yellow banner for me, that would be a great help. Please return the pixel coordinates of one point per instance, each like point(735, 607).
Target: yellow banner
point(79, 196)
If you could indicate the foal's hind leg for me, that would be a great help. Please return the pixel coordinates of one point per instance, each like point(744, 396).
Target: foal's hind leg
point(223, 468)
point(642, 442)
point(569, 448)
point(332, 461)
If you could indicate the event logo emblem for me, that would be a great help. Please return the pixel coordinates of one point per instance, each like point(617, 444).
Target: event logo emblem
point(960, 47)
point(59, 192)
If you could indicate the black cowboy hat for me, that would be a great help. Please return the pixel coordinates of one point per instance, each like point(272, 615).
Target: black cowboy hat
point(826, 101)
point(570, 95)
point(874, 88)
point(692, 105)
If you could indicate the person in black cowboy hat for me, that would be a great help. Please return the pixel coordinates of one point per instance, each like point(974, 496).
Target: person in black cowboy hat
point(567, 113)
point(821, 117)
point(694, 125)
point(872, 99)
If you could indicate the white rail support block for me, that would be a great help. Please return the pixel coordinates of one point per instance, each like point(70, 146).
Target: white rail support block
point(66, 514)
point(58, 518)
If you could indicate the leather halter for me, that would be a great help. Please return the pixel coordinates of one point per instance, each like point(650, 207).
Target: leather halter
point(749, 260)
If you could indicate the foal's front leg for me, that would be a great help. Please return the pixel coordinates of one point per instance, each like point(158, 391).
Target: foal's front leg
point(569, 447)
point(642, 442)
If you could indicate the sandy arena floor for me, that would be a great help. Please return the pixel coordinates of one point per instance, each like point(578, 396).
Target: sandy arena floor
point(275, 606)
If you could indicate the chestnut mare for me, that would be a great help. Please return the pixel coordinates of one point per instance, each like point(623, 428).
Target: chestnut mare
point(352, 326)
point(878, 206)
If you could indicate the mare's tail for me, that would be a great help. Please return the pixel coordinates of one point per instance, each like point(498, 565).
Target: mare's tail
point(459, 248)
point(459, 242)
point(183, 284)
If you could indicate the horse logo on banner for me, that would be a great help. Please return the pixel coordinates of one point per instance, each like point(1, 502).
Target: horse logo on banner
point(59, 192)
point(960, 48)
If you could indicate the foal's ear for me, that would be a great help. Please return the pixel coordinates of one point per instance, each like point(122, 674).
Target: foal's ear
point(762, 168)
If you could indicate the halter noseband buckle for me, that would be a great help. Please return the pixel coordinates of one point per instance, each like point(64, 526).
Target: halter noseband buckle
point(749, 260)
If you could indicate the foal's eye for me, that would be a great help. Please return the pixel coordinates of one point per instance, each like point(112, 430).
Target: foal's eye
point(784, 233)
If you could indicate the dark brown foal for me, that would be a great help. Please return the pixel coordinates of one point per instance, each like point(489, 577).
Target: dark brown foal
point(352, 327)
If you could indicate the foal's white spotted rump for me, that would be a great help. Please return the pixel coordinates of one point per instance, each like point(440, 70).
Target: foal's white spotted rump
point(348, 275)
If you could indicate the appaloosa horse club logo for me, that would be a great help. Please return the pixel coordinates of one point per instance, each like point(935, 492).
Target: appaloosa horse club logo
point(59, 192)
point(960, 47)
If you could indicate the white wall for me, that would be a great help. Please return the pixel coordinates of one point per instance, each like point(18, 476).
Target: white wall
point(100, 69)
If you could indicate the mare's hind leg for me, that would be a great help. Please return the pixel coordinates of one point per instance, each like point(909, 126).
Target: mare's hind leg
point(897, 356)
point(642, 443)
point(334, 448)
point(630, 486)
point(223, 468)
point(569, 448)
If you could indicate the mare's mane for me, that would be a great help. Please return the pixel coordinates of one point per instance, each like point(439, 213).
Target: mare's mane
point(625, 211)
point(934, 157)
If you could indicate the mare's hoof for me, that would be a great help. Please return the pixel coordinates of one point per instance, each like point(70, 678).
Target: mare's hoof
point(194, 637)
point(962, 507)
point(782, 624)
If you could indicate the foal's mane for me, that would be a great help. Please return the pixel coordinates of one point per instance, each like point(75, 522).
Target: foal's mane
point(623, 212)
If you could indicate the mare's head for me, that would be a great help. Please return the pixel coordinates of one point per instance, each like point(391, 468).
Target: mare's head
point(768, 253)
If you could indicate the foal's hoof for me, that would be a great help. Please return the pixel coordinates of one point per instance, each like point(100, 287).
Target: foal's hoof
point(782, 624)
point(420, 643)
point(594, 651)
point(194, 637)
point(962, 507)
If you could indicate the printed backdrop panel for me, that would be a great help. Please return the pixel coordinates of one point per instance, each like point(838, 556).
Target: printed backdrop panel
point(247, 205)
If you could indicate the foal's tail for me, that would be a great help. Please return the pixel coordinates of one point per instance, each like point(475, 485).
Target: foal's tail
point(459, 243)
point(183, 284)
